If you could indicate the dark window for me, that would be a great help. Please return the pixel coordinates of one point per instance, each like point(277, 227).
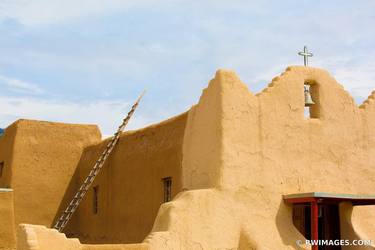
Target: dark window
point(95, 200)
point(1, 168)
point(167, 182)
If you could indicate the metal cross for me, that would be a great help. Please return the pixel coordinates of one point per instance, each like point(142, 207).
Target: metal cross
point(305, 55)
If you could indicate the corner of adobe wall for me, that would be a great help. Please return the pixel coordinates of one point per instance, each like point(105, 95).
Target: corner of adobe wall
point(240, 135)
point(203, 138)
point(204, 134)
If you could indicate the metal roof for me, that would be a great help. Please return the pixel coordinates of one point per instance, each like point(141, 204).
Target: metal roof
point(356, 199)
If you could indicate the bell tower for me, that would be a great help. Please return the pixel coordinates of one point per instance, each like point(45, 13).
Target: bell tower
point(311, 97)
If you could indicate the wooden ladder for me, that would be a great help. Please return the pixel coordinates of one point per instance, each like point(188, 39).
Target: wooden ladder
point(73, 205)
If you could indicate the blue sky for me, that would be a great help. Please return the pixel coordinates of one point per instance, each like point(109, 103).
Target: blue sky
point(86, 61)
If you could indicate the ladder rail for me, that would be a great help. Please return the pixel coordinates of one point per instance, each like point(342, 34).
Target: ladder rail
point(85, 186)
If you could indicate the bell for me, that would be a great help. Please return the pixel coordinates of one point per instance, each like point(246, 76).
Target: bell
point(308, 100)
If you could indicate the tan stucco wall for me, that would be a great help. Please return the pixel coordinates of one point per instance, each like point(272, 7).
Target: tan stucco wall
point(350, 230)
point(266, 149)
point(236, 154)
point(45, 155)
point(130, 184)
point(140, 246)
point(7, 229)
point(202, 141)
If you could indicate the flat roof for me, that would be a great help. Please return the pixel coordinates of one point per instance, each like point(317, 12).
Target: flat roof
point(321, 197)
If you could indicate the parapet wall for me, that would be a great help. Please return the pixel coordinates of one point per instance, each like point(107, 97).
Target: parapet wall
point(244, 132)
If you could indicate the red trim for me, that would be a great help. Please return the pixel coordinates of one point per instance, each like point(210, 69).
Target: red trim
point(314, 223)
point(355, 202)
point(300, 200)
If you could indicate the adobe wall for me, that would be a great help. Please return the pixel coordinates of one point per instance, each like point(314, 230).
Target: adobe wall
point(7, 229)
point(348, 227)
point(266, 148)
point(130, 184)
point(240, 153)
point(45, 156)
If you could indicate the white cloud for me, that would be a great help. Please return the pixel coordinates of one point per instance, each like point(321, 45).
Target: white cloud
point(107, 114)
point(358, 78)
point(20, 86)
point(247, 37)
point(39, 12)
point(359, 82)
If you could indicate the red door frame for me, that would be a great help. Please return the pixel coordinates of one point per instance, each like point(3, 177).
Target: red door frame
point(314, 202)
point(314, 224)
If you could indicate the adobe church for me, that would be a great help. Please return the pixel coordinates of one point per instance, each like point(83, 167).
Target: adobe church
point(235, 171)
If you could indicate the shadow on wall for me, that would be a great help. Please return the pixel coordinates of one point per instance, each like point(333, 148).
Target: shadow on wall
point(246, 243)
point(287, 231)
point(72, 229)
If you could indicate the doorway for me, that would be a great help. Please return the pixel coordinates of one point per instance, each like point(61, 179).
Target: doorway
point(328, 222)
